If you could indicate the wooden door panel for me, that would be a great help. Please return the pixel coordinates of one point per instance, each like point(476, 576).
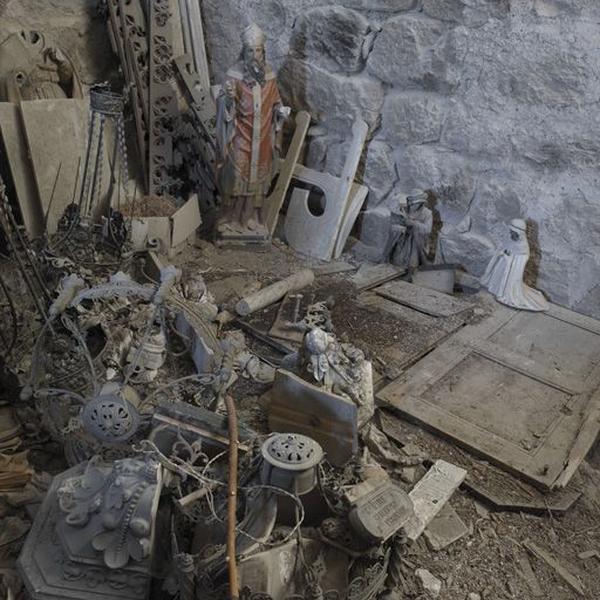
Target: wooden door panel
point(518, 388)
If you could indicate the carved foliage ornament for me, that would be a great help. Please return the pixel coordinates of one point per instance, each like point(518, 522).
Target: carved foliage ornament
point(121, 500)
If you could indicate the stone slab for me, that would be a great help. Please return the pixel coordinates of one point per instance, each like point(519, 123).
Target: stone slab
point(185, 221)
point(445, 529)
point(431, 494)
point(378, 515)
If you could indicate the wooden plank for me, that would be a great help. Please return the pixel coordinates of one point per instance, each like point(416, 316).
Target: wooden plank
point(586, 437)
point(404, 313)
point(356, 199)
point(21, 170)
point(566, 348)
point(116, 29)
point(531, 502)
point(287, 313)
point(529, 576)
point(425, 300)
point(497, 488)
point(300, 407)
point(369, 276)
point(573, 318)
point(332, 268)
point(185, 221)
point(274, 202)
point(553, 563)
point(56, 132)
point(527, 366)
point(445, 357)
point(343, 196)
point(430, 495)
point(542, 466)
point(198, 43)
point(495, 388)
point(417, 379)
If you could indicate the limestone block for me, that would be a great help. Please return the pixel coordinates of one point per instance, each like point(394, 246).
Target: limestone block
point(560, 139)
point(555, 8)
point(375, 235)
point(375, 226)
point(413, 118)
point(317, 152)
point(424, 55)
point(331, 37)
point(472, 13)
point(380, 171)
point(225, 20)
point(407, 39)
point(566, 213)
point(331, 96)
point(477, 130)
point(450, 177)
point(495, 203)
point(536, 67)
point(222, 35)
point(336, 156)
point(468, 249)
point(386, 6)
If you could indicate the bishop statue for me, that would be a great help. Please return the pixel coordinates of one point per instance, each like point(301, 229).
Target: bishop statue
point(250, 115)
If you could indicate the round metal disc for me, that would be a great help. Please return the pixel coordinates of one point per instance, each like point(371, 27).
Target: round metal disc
point(110, 418)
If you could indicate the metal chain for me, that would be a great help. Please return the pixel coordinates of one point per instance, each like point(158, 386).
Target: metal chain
point(22, 253)
point(97, 181)
point(123, 153)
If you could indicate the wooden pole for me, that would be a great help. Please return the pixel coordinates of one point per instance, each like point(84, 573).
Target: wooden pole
point(274, 292)
point(234, 585)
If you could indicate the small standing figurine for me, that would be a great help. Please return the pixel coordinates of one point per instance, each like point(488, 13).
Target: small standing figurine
point(412, 246)
point(249, 117)
point(504, 274)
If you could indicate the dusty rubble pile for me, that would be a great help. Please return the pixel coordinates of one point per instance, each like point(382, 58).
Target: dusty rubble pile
point(131, 381)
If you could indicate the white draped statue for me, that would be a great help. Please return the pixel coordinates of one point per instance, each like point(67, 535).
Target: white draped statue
point(504, 274)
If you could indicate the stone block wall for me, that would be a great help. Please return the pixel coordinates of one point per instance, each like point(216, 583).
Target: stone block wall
point(492, 105)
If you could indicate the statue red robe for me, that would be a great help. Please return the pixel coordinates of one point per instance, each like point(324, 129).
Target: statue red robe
point(246, 133)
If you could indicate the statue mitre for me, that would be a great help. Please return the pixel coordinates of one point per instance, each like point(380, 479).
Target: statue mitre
point(253, 36)
point(518, 225)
